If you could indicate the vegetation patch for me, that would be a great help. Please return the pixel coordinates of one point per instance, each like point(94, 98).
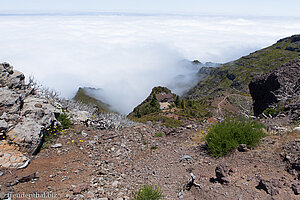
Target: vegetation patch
point(270, 112)
point(159, 134)
point(50, 135)
point(52, 132)
point(227, 135)
point(148, 192)
point(64, 120)
point(234, 77)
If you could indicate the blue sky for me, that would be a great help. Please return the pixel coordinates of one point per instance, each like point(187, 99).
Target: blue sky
point(223, 7)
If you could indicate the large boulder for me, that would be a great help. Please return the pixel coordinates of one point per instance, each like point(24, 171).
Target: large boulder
point(10, 100)
point(11, 78)
point(37, 114)
point(27, 135)
point(280, 89)
point(39, 110)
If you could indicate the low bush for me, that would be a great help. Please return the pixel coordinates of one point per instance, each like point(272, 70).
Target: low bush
point(270, 112)
point(159, 134)
point(65, 120)
point(227, 135)
point(148, 192)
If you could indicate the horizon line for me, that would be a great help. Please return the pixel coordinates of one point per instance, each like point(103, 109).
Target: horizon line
point(129, 13)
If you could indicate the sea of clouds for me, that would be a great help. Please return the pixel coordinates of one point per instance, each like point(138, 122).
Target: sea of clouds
point(127, 55)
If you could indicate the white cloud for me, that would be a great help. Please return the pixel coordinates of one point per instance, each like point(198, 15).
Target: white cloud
point(128, 55)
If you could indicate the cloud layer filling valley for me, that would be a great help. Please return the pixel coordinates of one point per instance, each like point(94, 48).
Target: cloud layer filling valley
point(127, 55)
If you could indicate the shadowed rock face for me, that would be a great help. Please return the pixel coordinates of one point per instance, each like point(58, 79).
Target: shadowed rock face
point(279, 87)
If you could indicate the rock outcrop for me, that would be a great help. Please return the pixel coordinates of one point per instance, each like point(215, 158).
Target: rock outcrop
point(23, 115)
point(279, 89)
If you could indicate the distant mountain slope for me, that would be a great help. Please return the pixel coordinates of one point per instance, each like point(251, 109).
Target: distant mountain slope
point(234, 77)
point(86, 95)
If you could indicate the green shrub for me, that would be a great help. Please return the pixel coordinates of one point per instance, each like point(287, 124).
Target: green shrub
point(227, 135)
point(270, 111)
point(65, 120)
point(158, 134)
point(148, 192)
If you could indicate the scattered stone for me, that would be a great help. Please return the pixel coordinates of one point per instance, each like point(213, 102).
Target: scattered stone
point(92, 142)
point(232, 170)
point(3, 125)
point(186, 157)
point(269, 186)
point(80, 188)
point(243, 148)
point(25, 164)
point(25, 179)
point(287, 158)
point(297, 129)
point(58, 145)
point(38, 105)
point(115, 184)
point(2, 196)
point(1, 173)
point(84, 134)
point(190, 126)
point(90, 195)
point(296, 188)
point(221, 174)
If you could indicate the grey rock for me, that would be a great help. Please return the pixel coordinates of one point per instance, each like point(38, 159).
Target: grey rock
point(243, 148)
point(17, 80)
point(80, 188)
point(84, 134)
point(4, 116)
point(92, 142)
point(269, 186)
point(186, 157)
point(1, 173)
point(43, 116)
point(296, 188)
point(3, 125)
point(58, 145)
point(28, 135)
point(221, 174)
point(190, 126)
point(2, 196)
point(9, 98)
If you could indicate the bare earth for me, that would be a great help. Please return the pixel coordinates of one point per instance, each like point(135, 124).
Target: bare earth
point(112, 164)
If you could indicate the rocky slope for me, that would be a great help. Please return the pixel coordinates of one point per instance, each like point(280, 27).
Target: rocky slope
point(28, 115)
point(278, 91)
point(111, 164)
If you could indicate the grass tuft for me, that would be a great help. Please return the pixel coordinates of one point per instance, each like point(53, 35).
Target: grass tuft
point(148, 192)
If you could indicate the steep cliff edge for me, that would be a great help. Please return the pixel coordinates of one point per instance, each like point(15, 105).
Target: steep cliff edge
point(278, 91)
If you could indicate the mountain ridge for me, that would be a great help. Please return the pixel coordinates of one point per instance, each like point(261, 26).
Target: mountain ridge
point(234, 76)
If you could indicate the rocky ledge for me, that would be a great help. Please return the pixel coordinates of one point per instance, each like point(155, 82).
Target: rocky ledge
point(278, 90)
point(23, 118)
